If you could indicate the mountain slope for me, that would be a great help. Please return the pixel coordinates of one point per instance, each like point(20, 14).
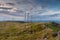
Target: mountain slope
point(27, 31)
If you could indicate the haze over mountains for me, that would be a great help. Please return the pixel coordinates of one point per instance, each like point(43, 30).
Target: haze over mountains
point(14, 10)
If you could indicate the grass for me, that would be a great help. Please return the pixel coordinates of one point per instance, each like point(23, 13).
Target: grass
point(56, 29)
point(27, 31)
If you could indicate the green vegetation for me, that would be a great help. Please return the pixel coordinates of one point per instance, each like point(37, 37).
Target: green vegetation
point(54, 26)
point(56, 29)
point(28, 31)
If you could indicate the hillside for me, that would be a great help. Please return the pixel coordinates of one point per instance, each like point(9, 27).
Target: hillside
point(29, 31)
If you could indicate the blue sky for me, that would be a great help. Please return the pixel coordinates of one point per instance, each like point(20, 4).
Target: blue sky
point(54, 4)
point(14, 10)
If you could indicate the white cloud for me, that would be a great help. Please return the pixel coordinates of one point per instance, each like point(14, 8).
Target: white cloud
point(50, 12)
point(48, 15)
point(10, 17)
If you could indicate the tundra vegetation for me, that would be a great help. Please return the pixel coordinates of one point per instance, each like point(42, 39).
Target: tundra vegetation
point(29, 31)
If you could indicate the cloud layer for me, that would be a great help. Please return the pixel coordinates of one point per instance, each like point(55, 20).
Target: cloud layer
point(18, 9)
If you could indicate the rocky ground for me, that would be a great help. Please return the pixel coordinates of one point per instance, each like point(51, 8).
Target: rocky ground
point(29, 31)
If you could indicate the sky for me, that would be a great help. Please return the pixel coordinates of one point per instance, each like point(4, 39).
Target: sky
point(29, 10)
